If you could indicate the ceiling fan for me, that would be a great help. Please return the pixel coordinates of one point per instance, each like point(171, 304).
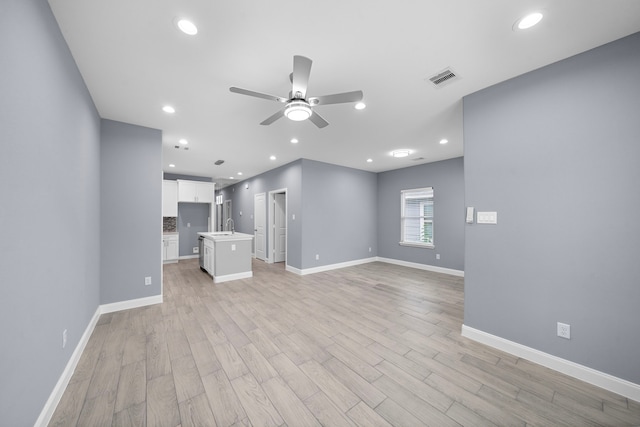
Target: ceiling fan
point(298, 106)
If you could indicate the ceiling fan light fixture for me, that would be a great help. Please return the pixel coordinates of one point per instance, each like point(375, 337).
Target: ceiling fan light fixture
point(297, 111)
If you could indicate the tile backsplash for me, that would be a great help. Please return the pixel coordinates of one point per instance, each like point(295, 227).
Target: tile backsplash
point(169, 224)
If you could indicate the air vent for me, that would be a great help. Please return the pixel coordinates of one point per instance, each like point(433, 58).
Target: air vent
point(443, 78)
point(418, 159)
point(219, 162)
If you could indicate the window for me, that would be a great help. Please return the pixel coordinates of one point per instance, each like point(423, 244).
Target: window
point(417, 217)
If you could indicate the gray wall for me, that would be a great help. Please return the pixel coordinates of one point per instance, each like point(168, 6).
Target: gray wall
point(192, 219)
point(447, 179)
point(339, 211)
point(288, 176)
point(50, 209)
point(555, 152)
point(131, 211)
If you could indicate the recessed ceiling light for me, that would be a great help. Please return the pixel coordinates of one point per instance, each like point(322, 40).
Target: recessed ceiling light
point(294, 141)
point(528, 21)
point(187, 27)
point(183, 141)
point(172, 165)
point(369, 160)
point(360, 106)
point(168, 109)
point(239, 173)
point(444, 141)
point(231, 177)
point(401, 153)
point(272, 158)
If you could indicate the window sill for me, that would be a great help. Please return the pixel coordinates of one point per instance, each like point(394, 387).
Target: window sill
point(417, 245)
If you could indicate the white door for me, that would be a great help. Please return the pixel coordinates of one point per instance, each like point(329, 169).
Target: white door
point(280, 228)
point(260, 222)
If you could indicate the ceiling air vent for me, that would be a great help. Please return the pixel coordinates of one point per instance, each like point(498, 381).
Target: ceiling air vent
point(418, 159)
point(219, 162)
point(443, 78)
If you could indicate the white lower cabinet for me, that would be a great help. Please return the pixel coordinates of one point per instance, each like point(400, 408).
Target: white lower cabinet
point(170, 248)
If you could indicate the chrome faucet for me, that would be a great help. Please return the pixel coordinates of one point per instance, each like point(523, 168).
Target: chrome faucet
point(233, 226)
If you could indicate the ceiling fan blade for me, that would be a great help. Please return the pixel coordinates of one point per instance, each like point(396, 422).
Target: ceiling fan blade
point(338, 98)
point(300, 78)
point(272, 118)
point(256, 94)
point(318, 120)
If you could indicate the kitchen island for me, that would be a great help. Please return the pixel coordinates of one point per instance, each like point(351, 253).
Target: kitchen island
point(227, 256)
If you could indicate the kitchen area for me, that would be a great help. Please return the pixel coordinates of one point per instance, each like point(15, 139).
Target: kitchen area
point(192, 228)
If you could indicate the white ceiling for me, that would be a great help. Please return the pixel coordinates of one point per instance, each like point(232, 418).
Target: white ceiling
point(134, 61)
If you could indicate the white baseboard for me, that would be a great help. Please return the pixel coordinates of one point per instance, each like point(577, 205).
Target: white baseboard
point(189, 256)
point(60, 387)
point(329, 267)
point(608, 382)
point(63, 381)
point(419, 266)
point(132, 303)
point(293, 270)
point(229, 277)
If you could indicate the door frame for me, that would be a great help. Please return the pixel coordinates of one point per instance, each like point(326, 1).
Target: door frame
point(270, 221)
point(255, 230)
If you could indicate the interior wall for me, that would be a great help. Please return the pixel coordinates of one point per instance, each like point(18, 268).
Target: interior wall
point(340, 217)
point(447, 179)
point(555, 152)
point(242, 194)
point(50, 209)
point(131, 211)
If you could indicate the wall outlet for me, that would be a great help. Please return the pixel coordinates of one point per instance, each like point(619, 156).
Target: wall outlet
point(437, 256)
point(564, 330)
point(64, 338)
point(233, 247)
point(188, 225)
point(147, 280)
point(369, 249)
point(196, 249)
point(317, 257)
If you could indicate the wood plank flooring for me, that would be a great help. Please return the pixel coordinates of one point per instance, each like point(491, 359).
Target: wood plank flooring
point(371, 345)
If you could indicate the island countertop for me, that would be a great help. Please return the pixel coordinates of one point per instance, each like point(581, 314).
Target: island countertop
point(221, 236)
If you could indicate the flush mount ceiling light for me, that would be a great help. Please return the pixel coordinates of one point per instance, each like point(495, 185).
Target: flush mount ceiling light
point(183, 141)
point(297, 110)
point(294, 140)
point(272, 158)
point(401, 153)
point(187, 27)
point(527, 21)
point(444, 141)
point(172, 165)
point(168, 109)
point(369, 160)
point(360, 106)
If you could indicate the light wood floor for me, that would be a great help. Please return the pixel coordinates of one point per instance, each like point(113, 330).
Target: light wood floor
point(372, 345)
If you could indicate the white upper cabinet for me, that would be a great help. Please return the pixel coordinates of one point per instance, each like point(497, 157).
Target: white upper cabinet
point(169, 198)
point(195, 191)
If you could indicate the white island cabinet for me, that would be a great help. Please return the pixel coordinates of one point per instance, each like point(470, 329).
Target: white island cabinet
point(227, 255)
point(195, 191)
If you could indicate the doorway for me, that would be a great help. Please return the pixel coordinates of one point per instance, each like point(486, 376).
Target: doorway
point(278, 225)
